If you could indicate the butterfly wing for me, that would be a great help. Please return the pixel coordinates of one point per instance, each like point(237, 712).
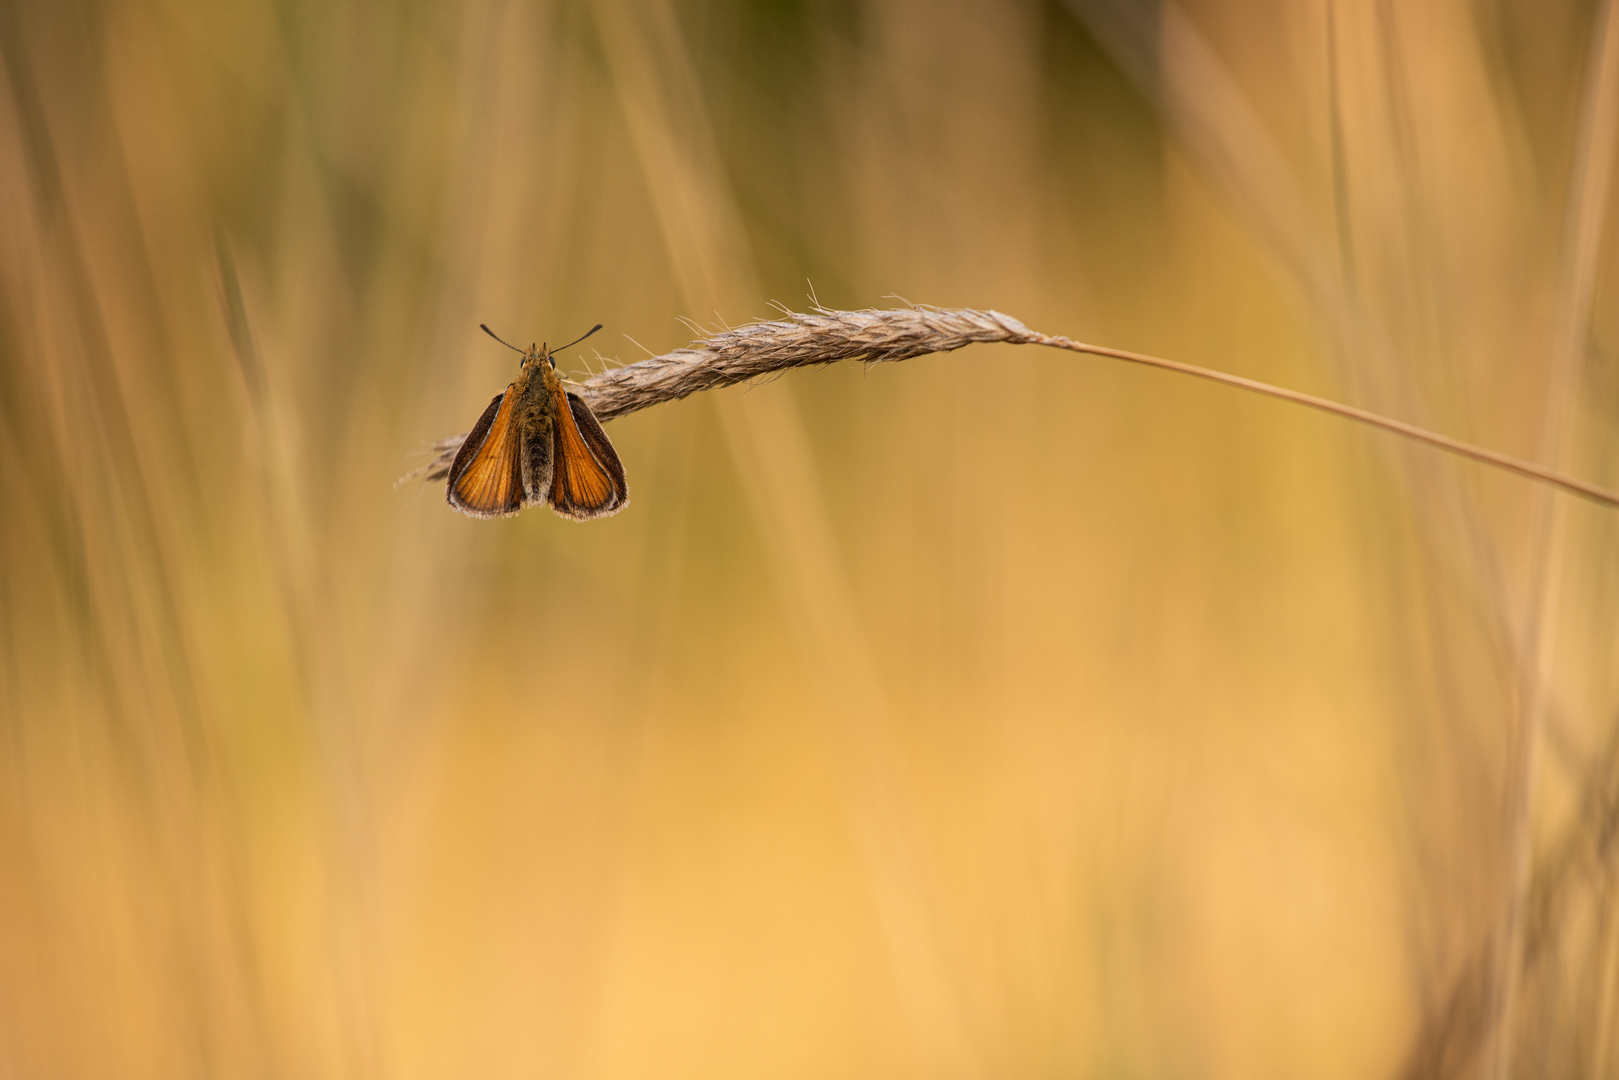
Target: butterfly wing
point(601, 448)
point(486, 478)
point(587, 477)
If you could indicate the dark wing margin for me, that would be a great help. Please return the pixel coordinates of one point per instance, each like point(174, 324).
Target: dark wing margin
point(486, 478)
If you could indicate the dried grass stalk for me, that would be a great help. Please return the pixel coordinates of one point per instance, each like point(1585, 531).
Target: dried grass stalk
point(825, 336)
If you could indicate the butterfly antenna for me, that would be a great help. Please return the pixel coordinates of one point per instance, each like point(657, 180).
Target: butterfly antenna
point(506, 343)
point(578, 339)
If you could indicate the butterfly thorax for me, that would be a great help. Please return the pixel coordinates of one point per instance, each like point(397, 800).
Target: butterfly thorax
point(538, 389)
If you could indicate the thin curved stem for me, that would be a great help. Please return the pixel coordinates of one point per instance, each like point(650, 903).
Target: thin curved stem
point(1595, 494)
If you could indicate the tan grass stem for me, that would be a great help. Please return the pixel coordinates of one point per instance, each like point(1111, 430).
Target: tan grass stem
point(825, 336)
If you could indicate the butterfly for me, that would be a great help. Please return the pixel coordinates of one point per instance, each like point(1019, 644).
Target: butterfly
point(537, 442)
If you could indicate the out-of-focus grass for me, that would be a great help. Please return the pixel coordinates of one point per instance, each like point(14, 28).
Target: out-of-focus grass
point(999, 714)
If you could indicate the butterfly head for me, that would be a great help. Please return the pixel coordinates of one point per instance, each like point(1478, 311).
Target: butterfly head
point(537, 354)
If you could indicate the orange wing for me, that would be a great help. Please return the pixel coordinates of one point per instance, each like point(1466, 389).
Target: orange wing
point(587, 479)
point(486, 479)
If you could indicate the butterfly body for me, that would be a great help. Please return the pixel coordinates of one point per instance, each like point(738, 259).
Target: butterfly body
point(537, 443)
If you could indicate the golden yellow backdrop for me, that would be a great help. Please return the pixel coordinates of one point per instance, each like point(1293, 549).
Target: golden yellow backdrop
point(998, 714)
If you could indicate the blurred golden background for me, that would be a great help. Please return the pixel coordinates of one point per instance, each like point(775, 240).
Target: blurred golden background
point(998, 714)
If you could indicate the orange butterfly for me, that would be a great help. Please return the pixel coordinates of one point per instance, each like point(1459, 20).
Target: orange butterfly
point(537, 442)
